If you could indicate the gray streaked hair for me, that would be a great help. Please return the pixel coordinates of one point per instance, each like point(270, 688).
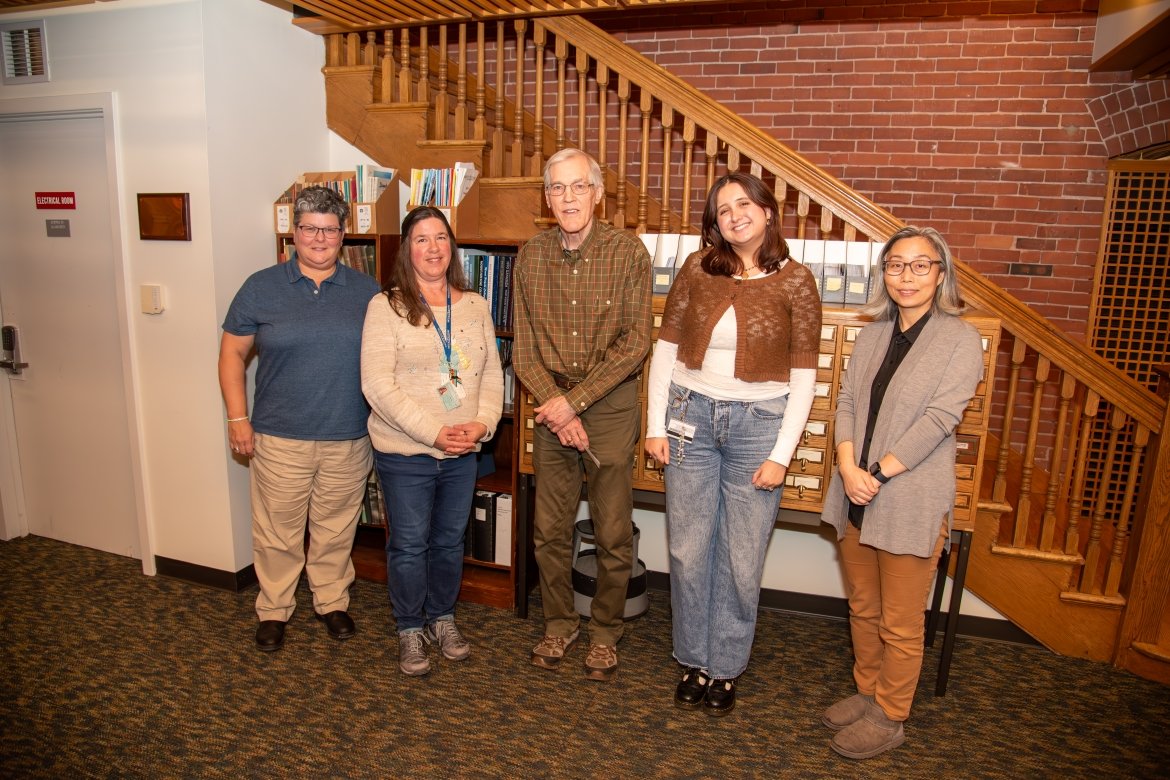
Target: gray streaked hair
point(947, 297)
point(320, 200)
point(569, 153)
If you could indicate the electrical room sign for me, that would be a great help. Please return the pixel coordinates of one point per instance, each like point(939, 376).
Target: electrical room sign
point(56, 200)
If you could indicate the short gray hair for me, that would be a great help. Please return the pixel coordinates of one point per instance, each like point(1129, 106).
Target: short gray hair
point(320, 200)
point(569, 153)
point(947, 297)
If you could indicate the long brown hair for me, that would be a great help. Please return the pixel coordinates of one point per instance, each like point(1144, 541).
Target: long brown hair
point(722, 260)
point(402, 289)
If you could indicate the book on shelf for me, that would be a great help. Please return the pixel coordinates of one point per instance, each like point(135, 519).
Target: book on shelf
point(369, 190)
point(490, 275)
point(483, 526)
point(503, 551)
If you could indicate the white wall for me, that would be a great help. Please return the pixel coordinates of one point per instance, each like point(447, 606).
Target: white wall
point(221, 99)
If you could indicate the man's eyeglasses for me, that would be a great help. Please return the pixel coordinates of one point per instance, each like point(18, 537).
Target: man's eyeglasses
point(578, 188)
point(917, 267)
point(312, 231)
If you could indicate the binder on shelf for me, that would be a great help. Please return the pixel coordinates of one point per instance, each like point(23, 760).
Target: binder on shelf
point(483, 526)
point(857, 264)
point(503, 552)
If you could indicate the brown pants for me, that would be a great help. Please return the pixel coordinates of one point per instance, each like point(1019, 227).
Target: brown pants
point(612, 425)
point(887, 605)
point(294, 482)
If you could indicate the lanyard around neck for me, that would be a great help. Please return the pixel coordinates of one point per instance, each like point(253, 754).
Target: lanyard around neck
point(444, 338)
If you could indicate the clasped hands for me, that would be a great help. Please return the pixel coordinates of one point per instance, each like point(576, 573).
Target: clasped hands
point(460, 439)
point(860, 485)
point(557, 414)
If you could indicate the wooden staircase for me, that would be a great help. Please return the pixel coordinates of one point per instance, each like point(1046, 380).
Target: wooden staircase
point(1073, 530)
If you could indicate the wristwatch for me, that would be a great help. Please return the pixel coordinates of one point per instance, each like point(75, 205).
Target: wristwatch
point(875, 469)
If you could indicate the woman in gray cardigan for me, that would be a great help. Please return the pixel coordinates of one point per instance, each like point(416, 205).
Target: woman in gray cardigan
point(911, 375)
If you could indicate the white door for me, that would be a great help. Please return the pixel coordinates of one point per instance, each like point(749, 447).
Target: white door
point(69, 407)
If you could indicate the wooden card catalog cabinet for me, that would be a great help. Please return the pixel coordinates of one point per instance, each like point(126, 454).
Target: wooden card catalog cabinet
point(812, 465)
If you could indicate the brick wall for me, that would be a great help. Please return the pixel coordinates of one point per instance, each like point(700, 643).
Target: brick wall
point(979, 118)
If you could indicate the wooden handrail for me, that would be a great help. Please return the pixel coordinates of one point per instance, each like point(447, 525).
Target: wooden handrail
point(1070, 356)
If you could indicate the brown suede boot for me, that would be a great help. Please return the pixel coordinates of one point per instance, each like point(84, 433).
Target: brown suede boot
point(874, 733)
point(846, 711)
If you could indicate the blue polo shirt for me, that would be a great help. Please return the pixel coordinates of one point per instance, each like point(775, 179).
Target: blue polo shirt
point(308, 343)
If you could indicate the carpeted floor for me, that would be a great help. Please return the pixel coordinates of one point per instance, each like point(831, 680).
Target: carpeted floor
point(107, 673)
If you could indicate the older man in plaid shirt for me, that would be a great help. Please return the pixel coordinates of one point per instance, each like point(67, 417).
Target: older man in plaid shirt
point(583, 292)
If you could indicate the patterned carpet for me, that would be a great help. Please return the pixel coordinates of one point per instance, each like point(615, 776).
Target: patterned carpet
point(107, 673)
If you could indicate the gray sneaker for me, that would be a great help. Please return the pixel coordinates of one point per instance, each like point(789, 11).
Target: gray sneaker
point(451, 643)
point(412, 654)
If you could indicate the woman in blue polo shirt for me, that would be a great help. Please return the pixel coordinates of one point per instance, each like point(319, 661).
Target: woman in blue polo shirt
point(306, 435)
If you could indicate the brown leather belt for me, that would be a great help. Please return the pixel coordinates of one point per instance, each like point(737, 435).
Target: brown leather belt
point(564, 383)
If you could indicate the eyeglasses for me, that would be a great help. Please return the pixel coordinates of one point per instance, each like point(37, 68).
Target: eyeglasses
point(917, 267)
point(312, 231)
point(578, 188)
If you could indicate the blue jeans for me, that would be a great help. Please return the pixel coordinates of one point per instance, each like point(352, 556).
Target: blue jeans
point(718, 526)
point(428, 501)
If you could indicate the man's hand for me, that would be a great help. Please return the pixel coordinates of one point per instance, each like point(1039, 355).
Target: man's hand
point(556, 413)
point(573, 435)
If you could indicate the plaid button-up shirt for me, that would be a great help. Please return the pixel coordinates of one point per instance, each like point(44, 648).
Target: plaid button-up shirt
point(583, 315)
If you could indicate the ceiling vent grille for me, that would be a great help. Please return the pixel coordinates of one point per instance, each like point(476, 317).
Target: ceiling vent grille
point(26, 55)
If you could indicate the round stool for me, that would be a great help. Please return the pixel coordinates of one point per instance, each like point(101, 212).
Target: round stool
point(585, 575)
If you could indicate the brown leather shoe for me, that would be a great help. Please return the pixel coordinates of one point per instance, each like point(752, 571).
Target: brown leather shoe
point(551, 650)
point(338, 623)
point(270, 635)
point(601, 663)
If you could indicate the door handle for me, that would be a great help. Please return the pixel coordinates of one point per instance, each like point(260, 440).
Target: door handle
point(10, 354)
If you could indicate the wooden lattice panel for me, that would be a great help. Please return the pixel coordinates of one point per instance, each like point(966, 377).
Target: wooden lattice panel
point(1129, 320)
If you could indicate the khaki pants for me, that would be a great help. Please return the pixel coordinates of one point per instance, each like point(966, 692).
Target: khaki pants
point(887, 606)
point(612, 425)
point(294, 482)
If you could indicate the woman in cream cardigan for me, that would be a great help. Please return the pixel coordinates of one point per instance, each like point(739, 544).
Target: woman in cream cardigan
point(431, 372)
point(911, 374)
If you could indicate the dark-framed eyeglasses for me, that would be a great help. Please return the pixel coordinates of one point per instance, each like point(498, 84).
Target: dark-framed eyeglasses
point(578, 188)
point(917, 267)
point(312, 231)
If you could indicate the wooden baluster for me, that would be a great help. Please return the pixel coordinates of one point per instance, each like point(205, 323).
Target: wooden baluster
point(1059, 463)
point(712, 152)
point(602, 78)
point(517, 168)
point(582, 66)
point(732, 159)
point(999, 488)
point(1024, 506)
point(370, 53)
point(405, 93)
point(538, 39)
point(424, 67)
point(667, 137)
point(848, 232)
point(688, 135)
point(619, 213)
point(1089, 583)
point(479, 131)
point(389, 67)
point(353, 49)
point(757, 170)
point(1072, 540)
point(826, 225)
point(334, 49)
point(496, 163)
point(645, 103)
point(1113, 570)
point(801, 213)
point(461, 87)
point(561, 52)
point(442, 98)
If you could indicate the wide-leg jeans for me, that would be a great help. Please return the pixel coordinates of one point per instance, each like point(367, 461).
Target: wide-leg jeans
point(428, 501)
point(718, 526)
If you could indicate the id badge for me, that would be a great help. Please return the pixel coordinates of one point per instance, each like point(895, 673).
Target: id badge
point(677, 429)
point(449, 396)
